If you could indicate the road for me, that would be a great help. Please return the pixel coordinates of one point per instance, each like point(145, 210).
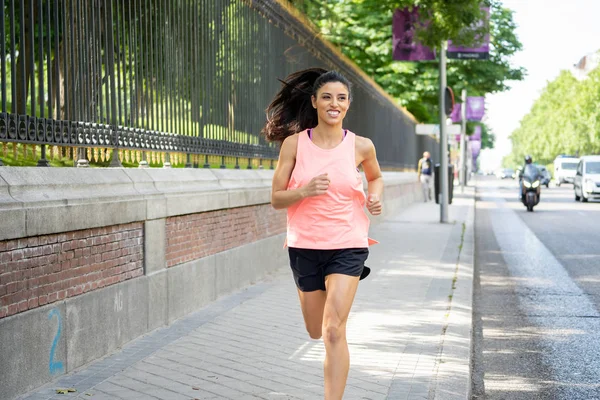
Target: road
point(536, 295)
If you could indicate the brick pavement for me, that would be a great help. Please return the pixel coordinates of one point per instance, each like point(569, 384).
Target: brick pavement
point(253, 345)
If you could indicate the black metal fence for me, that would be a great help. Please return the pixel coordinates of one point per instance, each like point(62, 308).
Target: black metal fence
point(184, 82)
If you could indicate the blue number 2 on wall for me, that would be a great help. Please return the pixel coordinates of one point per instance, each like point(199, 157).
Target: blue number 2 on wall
point(55, 367)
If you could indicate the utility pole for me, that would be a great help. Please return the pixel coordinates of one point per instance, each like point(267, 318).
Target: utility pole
point(463, 141)
point(443, 178)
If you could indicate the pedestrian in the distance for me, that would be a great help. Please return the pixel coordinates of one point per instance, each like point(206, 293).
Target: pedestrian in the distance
point(425, 171)
point(317, 179)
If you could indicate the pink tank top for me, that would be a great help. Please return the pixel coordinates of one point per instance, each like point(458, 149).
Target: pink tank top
point(337, 219)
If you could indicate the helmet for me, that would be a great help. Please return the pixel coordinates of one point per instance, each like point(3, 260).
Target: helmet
point(528, 159)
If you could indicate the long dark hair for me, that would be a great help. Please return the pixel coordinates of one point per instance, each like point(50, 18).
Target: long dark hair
point(291, 110)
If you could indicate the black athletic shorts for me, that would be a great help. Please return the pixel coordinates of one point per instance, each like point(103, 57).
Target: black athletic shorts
point(310, 267)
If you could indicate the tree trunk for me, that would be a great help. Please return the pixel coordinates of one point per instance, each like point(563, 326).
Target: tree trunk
point(24, 81)
point(71, 59)
point(58, 86)
point(231, 110)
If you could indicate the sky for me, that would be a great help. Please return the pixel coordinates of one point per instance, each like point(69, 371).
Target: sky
point(555, 35)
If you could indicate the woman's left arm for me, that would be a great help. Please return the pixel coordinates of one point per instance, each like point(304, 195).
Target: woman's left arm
point(372, 170)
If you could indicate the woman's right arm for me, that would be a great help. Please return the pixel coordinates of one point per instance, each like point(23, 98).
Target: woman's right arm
point(281, 197)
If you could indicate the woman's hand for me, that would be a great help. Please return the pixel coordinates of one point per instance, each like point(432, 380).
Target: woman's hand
point(365, 153)
point(374, 204)
point(317, 186)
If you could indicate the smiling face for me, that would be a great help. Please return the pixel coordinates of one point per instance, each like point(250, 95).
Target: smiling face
point(332, 102)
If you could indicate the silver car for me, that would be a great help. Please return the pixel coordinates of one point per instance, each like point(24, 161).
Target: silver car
point(587, 179)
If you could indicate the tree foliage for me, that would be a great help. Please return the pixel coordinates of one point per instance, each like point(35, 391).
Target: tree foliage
point(564, 120)
point(362, 30)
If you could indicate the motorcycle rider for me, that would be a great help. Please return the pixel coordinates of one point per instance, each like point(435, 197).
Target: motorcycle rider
point(528, 166)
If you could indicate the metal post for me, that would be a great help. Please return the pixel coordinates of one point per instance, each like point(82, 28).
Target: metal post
point(443, 178)
point(3, 73)
point(43, 162)
point(463, 141)
point(144, 162)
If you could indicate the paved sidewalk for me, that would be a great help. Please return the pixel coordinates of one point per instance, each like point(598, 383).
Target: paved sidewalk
point(409, 330)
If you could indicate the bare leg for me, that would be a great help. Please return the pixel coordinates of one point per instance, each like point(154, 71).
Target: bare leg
point(313, 304)
point(424, 188)
point(340, 295)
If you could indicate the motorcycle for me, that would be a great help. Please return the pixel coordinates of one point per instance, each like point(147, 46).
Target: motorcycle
point(530, 187)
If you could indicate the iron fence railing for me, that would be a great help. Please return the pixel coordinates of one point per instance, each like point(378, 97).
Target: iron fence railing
point(153, 82)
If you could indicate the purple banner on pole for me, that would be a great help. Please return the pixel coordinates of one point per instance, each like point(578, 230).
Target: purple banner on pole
point(476, 133)
point(455, 114)
point(479, 51)
point(475, 148)
point(404, 26)
point(475, 108)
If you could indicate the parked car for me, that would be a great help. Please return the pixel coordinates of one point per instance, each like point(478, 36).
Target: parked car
point(564, 169)
point(546, 177)
point(587, 179)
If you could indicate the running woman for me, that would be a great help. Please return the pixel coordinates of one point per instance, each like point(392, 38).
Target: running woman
point(318, 181)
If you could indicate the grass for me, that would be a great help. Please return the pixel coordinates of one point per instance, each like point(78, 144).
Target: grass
point(462, 238)
point(61, 157)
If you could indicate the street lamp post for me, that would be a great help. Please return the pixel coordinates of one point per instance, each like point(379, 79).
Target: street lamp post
point(443, 178)
point(463, 142)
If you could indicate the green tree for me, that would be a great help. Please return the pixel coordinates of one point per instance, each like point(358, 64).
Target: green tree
point(362, 30)
point(564, 120)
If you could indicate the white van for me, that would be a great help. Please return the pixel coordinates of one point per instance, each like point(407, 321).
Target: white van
point(587, 179)
point(564, 169)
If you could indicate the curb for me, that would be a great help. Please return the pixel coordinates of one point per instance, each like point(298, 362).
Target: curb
point(453, 377)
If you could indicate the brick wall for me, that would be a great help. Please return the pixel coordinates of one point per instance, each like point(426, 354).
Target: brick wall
point(194, 236)
point(40, 270)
